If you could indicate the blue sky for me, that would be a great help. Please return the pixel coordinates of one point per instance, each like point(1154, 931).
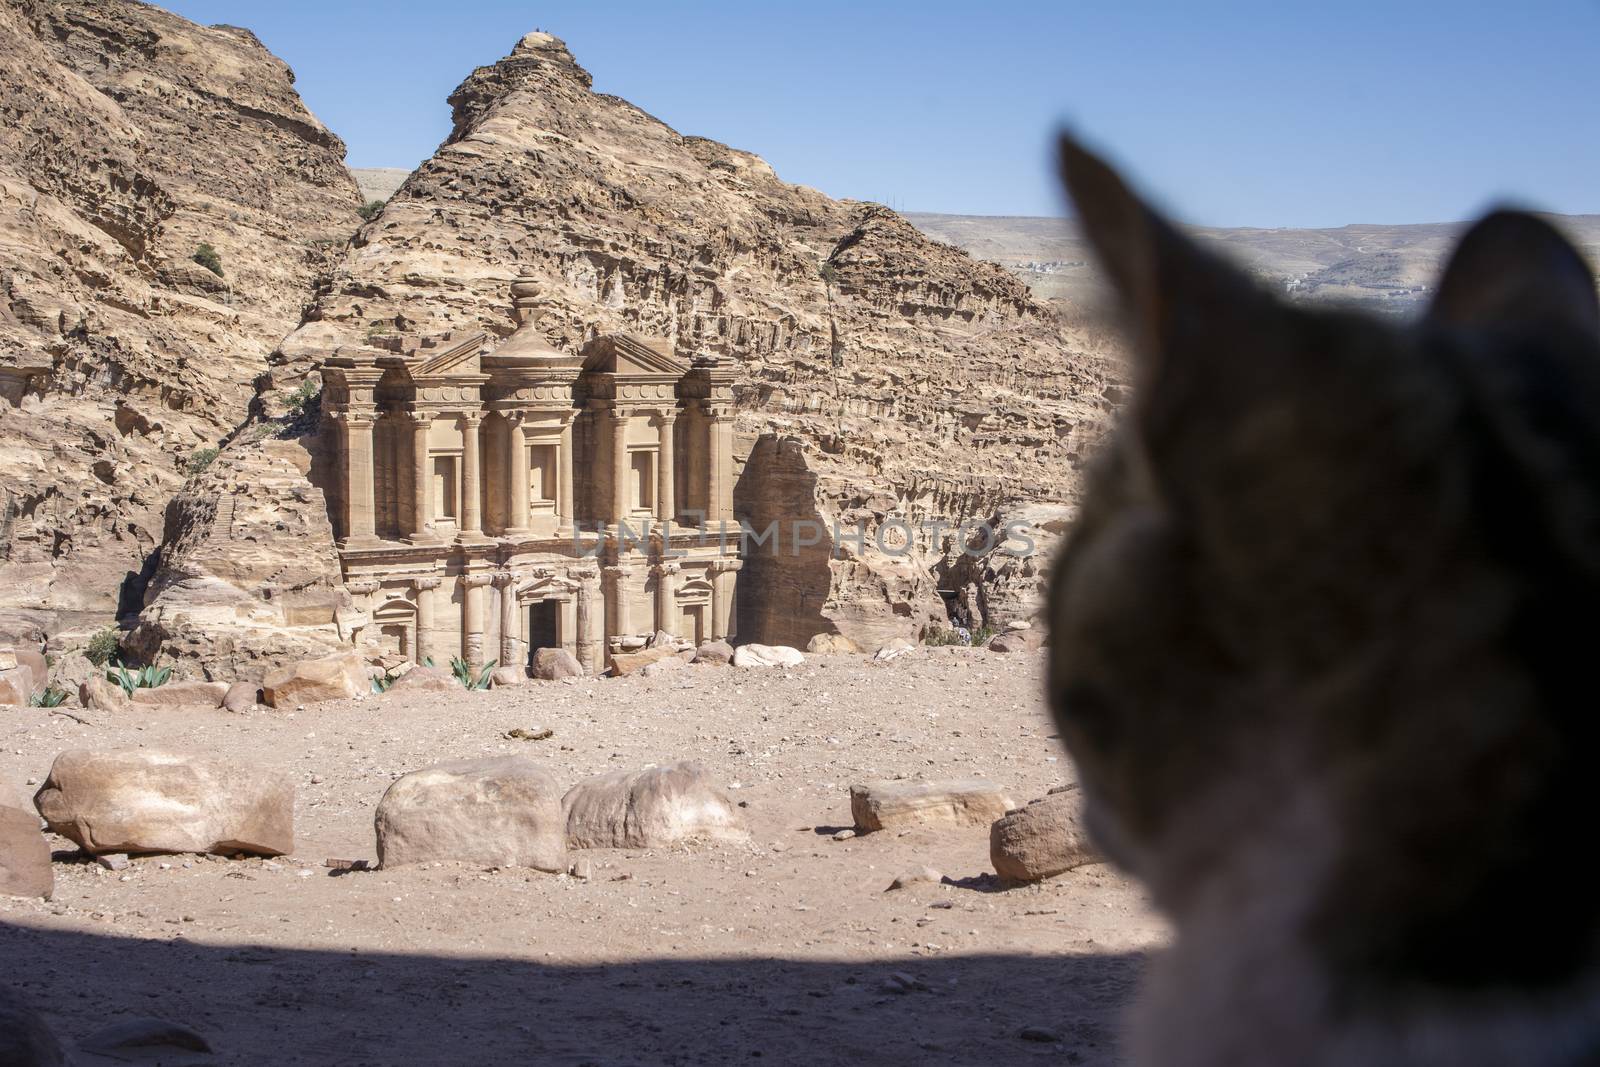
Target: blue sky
point(1250, 113)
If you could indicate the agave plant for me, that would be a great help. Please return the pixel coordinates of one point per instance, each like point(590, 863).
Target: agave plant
point(50, 697)
point(143, 678)
point(463, 672)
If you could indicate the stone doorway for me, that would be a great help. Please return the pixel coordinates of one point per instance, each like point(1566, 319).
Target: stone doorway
point(544, 627)
point(694, 623)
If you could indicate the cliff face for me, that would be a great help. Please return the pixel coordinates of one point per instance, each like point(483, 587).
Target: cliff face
point(130, 138)
point(890, 374)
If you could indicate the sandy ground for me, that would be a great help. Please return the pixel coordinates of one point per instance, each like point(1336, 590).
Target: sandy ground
point(784, 950)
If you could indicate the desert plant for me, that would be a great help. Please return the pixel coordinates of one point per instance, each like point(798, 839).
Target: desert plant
point(381, 684)
point(102, 646)
point(370, 209)
point(207, 257)
point(144, 678)
point(463, 672)
point(49, 697)
point(943, 636)
point(302, 397)
point(200, 459)
point(829, 272)
point(982, 636)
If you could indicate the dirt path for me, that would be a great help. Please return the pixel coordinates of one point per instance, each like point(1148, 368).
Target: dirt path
point(787, 949)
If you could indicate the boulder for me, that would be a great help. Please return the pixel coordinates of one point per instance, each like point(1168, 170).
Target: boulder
point(138, 800)
point(25, 1040)
point(143, 1034)
point(895, 649)
point(496, 812)
point(1008, 642)
point(176, 694)
point(241, 697)
point(507, 677)
point(767, 656)
point(1018, 625)
point(898, 805)
point(341, 676)
point(16, 685)
point(554, 664)
point(832, 645)
point(623, 663)
point(24, 856)
point(1043, 838)
point(31, 658)
point(652, 808)
point(719, 653)
point(98, 694)
point(665, 666)
point(425, 680)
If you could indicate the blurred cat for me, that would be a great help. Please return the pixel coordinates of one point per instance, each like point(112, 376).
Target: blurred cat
point(1322, 650)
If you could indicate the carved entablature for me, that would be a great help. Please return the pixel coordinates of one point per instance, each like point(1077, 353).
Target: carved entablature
point(710, 380)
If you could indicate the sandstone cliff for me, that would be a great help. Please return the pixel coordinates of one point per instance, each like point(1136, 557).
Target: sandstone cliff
point(131, 138)
point(883, 373)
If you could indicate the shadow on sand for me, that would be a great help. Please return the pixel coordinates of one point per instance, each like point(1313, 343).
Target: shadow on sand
point(261, 1005)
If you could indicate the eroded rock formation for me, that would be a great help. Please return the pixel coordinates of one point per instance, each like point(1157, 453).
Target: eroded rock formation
point(881, 374)
point(131, 138)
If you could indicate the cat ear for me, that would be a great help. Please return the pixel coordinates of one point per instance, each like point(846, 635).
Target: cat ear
point(1200, 328)
point(1514, 269)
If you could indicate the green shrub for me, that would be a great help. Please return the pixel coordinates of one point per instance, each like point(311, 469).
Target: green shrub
point(207, 257)
point(50, 697)
point(463, 672)
point(302, 397)
point(200, 459)
point(143, 678)
point(371, 209)
point(829, 272)
point(103, 646)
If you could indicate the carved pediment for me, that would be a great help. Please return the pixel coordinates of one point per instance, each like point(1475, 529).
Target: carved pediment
point(630, 355)
point(458, 359)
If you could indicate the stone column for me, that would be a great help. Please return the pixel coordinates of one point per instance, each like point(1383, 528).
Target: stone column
point(621, 612)
point(567, 516)
point(517, 475)
point(722, 581)
point(424, 588)
point(510, 631)
point(666, 485)
point(471, 512)
point(620, 468)
point(472, 605)
point(722, 464)
point(588, 640)
point(360, 493)
point(667, 597)
point(421, 477)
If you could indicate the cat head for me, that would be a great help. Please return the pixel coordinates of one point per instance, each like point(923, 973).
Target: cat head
point(1327, 553)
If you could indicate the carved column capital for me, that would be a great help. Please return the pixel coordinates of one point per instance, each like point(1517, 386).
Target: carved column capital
point(353, 418)
point(725, 566)
point(583, 574)
point(476, 581)
point(506, 579)
point(420, 418)
point(421, 584)
point(470, 419)
point(362, 586)
point(662, 570)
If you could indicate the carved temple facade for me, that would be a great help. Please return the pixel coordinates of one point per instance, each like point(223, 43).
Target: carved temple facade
point(493, 500)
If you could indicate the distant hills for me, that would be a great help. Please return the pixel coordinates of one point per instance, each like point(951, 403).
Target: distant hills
point(1390, 267)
